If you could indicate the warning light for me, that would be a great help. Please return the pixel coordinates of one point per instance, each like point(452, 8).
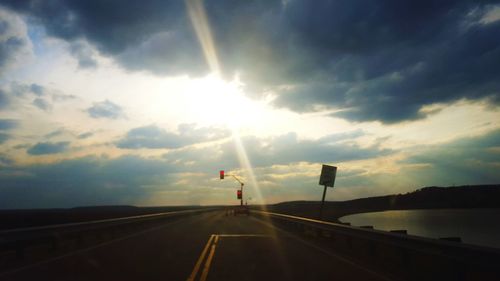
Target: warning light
point(238, 194)
point(221, 173)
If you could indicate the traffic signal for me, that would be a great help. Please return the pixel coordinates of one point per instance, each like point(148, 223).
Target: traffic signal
point(238, 194)
point(221, 174)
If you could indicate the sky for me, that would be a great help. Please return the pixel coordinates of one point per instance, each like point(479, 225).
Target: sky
point(143, 102)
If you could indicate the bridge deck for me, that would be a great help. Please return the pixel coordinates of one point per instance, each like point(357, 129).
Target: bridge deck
point(237, 248)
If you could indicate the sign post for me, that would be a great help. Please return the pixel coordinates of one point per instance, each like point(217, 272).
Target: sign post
point(327, 178)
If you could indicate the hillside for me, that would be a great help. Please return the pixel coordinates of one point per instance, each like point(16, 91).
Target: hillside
point(433, 197)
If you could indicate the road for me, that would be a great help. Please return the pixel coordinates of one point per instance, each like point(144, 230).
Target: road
point(208, 246)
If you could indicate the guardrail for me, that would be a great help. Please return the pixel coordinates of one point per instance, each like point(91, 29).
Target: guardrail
point(404, 256)
point(20, 239)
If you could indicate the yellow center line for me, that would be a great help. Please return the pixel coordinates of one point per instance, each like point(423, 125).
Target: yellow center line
point(244, 235)
point(212, 243)
point(204, 274)
point(200, 259)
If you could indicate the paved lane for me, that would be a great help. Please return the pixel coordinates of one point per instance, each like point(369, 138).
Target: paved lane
point(237, 248)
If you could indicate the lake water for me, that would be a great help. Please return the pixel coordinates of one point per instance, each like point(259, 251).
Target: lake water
point(474, 226)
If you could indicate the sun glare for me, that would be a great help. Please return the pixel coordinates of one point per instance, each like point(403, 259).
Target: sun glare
point(216, 101)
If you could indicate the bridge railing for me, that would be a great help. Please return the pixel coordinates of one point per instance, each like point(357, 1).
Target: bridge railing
point(405, 256)
point(20, 239)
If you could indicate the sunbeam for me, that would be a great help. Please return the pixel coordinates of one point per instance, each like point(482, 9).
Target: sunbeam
point(201, 26)
point(247, 165)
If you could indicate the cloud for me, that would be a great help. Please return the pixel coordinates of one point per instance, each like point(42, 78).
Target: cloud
point(472, 160)
point(156, 36)
point(84, 54)
point(4, 100)
point(25, 90)
point(42, 104)
point(105, 109)
point(367, 60)
point(55, 133)
point(14, 42)
point(43, 148)
point(8, 124)
point(14, 94)
point(38, 90)
point(284, 166)
point(281, 150)
point(85, 135)
point(154, 137)
point(4, 137)
point(350, 135)
point(5, 161)
point(82, 181)
point(353, 57)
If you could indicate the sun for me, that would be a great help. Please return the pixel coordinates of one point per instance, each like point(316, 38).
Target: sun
point(216, 101)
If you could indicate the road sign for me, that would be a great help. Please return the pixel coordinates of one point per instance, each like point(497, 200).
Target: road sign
point(328, 174)
point(327, 178)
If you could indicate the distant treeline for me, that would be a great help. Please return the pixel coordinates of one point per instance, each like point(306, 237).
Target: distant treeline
point(433, 197)
point(38, 217)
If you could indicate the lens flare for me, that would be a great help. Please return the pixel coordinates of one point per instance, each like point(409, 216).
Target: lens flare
point(200, 23)
point(201, 26)
point(246, 164)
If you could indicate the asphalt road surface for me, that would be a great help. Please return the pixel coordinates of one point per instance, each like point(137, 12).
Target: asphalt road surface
point(208, 246)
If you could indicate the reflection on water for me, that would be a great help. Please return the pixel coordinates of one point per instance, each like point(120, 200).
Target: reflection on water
point(474, 226)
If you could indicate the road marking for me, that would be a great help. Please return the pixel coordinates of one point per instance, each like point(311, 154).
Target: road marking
point(243, 235)
point(200, 259)
point(212, 244)
point(204, 274)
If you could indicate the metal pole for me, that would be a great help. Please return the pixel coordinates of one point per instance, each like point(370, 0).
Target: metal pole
point(241, 202)
point(322, 203)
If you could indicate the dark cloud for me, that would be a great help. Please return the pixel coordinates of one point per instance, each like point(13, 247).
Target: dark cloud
point(105, 109)
point(62, 97)
point(379, 60)
point(5, 160)
point(14, 43)
point(154, 137)
point(85, 135)
point(21, 146)
point(153, 35)
point(383, 67)
point(473, 160)
point(132, 179)
point(55, 133)
point(8, 124)
point(43, 148)
point(281, 150)
point(342, 136)
point(4, 100)
point(14, 94)
point(82, 181)
point(23, 90)
point(37, 89)
point(4, 137)
point(367, 60)
point(83, 53)
point(42, 104)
